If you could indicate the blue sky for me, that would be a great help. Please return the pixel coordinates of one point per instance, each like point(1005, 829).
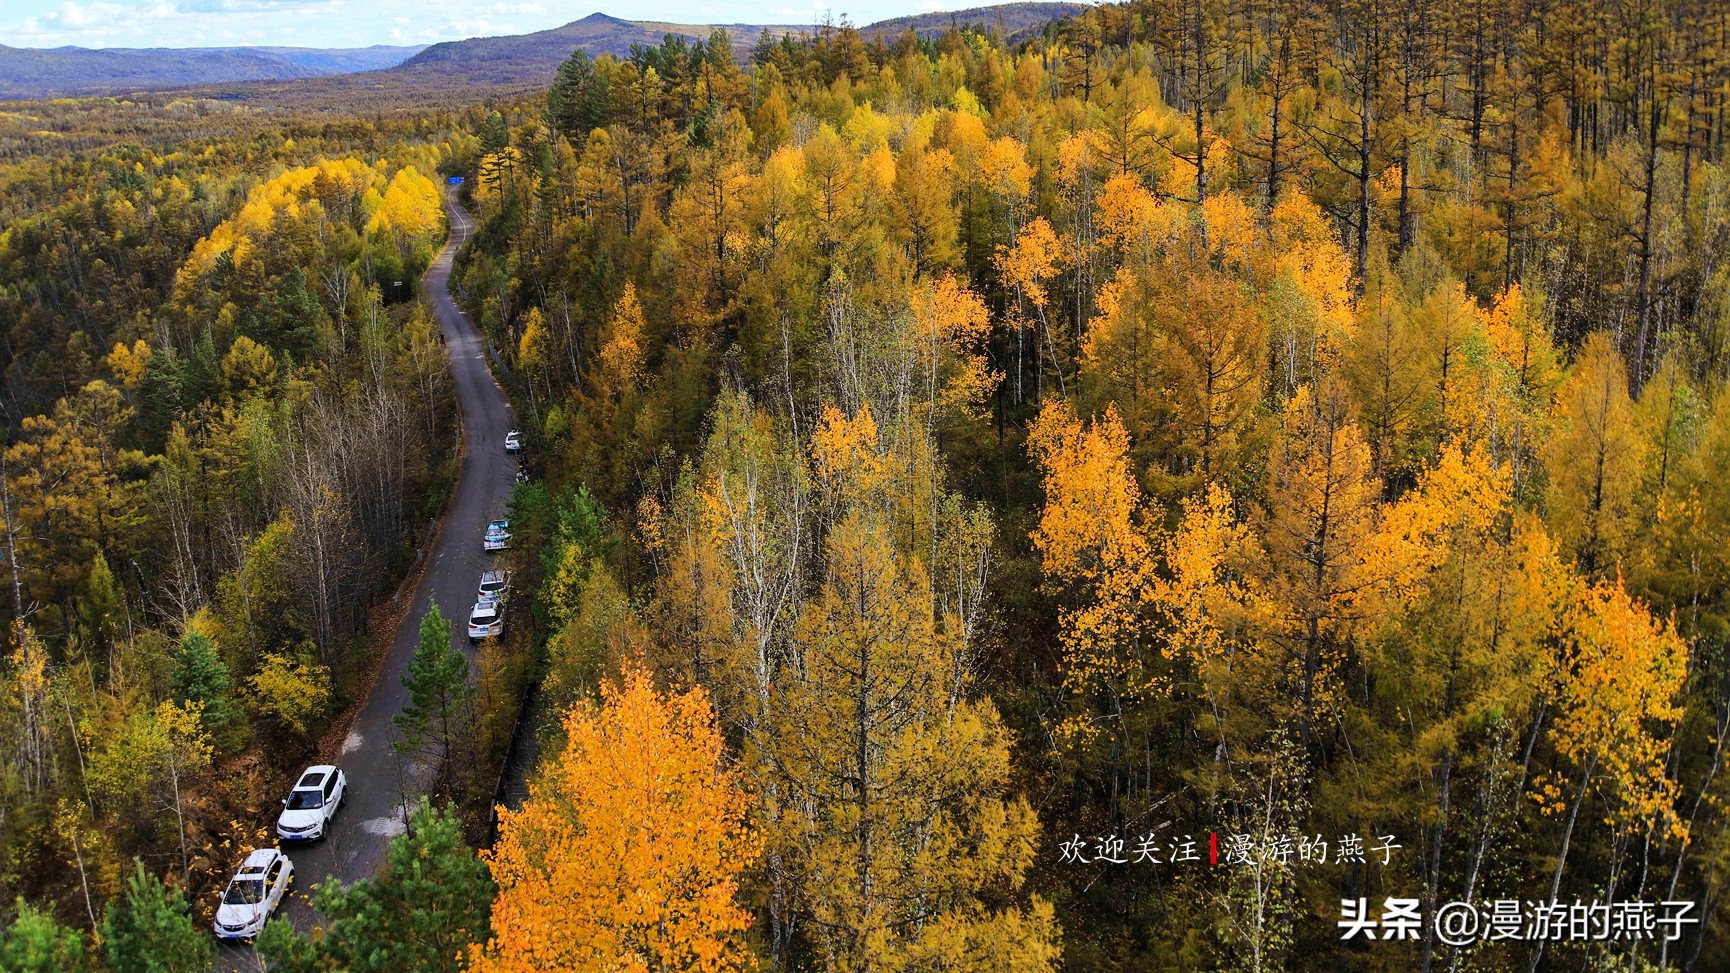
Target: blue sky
point(358, 23)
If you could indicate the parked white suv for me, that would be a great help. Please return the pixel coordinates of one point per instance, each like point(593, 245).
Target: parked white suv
point(308, 809)
point(253, 894)
point(487, 620)
point(495, 585)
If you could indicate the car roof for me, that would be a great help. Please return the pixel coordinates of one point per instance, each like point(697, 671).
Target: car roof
point(484, 608)
point(492, 576)
point(258, 860)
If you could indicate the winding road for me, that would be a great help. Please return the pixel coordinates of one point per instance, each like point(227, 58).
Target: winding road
point(382, 784)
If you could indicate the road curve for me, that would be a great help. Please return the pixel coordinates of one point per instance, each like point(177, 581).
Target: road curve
point(381, 783)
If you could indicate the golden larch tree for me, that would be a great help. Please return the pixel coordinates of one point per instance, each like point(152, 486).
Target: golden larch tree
point(1596, 458)
point(908, 851)
point(627, 854)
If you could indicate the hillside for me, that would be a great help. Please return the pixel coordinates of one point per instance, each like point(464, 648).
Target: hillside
point(458, 68)
point(534, 57)
point(1009, 19)
point(344, 60)
point(524, 56)
point(38, 73)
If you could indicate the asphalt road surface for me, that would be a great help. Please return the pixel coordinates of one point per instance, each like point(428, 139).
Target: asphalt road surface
point(382, 784)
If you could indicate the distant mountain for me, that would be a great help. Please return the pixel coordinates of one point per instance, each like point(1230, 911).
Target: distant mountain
point(520, 58)
point(39, 73)
point(452, 71)
point(1010, 19)
point(343, 60)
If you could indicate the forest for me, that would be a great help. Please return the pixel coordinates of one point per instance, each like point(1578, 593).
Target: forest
point(1110, 501)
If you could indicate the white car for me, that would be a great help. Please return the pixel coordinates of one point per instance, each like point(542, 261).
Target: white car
point(495, 585)
point(513, 441)
point(309, 807)
point(487, 620)
point(497, 537)
point(253, 894)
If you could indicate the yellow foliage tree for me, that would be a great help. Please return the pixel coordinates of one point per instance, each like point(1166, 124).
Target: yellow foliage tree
point(1307, 253)
point(292, 688)
point(621, 357)
point(627, 855)
point(953, 326)
point(1322, 500)
point(294, 193)
point(410, 210)
point(1091, 498)
point(129, 365)
point(1621, 674)
point(1595, 459)
point(534, 349)
point(892, 782)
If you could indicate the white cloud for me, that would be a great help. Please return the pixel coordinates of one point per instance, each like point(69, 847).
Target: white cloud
point(76, 15)
point(251, 6)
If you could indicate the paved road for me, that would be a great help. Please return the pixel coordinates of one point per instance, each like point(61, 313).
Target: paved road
point(379, 781)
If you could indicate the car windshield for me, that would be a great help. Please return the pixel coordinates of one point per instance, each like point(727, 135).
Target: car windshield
point(244, 891)
point(305, 800)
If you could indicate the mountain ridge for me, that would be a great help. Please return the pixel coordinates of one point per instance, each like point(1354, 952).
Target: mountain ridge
point(517, 61)
point(69, 70)
point(535, 56)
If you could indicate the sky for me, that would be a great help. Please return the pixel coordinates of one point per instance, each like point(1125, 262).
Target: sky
point(359, 23)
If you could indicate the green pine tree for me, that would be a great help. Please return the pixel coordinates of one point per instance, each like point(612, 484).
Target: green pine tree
point(437, 712)
point(200, 676)
point(150, 930)
point(432, 899)
point(579, 97)
point(100, 610)
point(36, 943)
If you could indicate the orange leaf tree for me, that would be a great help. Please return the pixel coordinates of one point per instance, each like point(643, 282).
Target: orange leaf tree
point(627, 854)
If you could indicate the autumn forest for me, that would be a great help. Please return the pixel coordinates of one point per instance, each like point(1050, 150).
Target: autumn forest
point(1105, 498)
